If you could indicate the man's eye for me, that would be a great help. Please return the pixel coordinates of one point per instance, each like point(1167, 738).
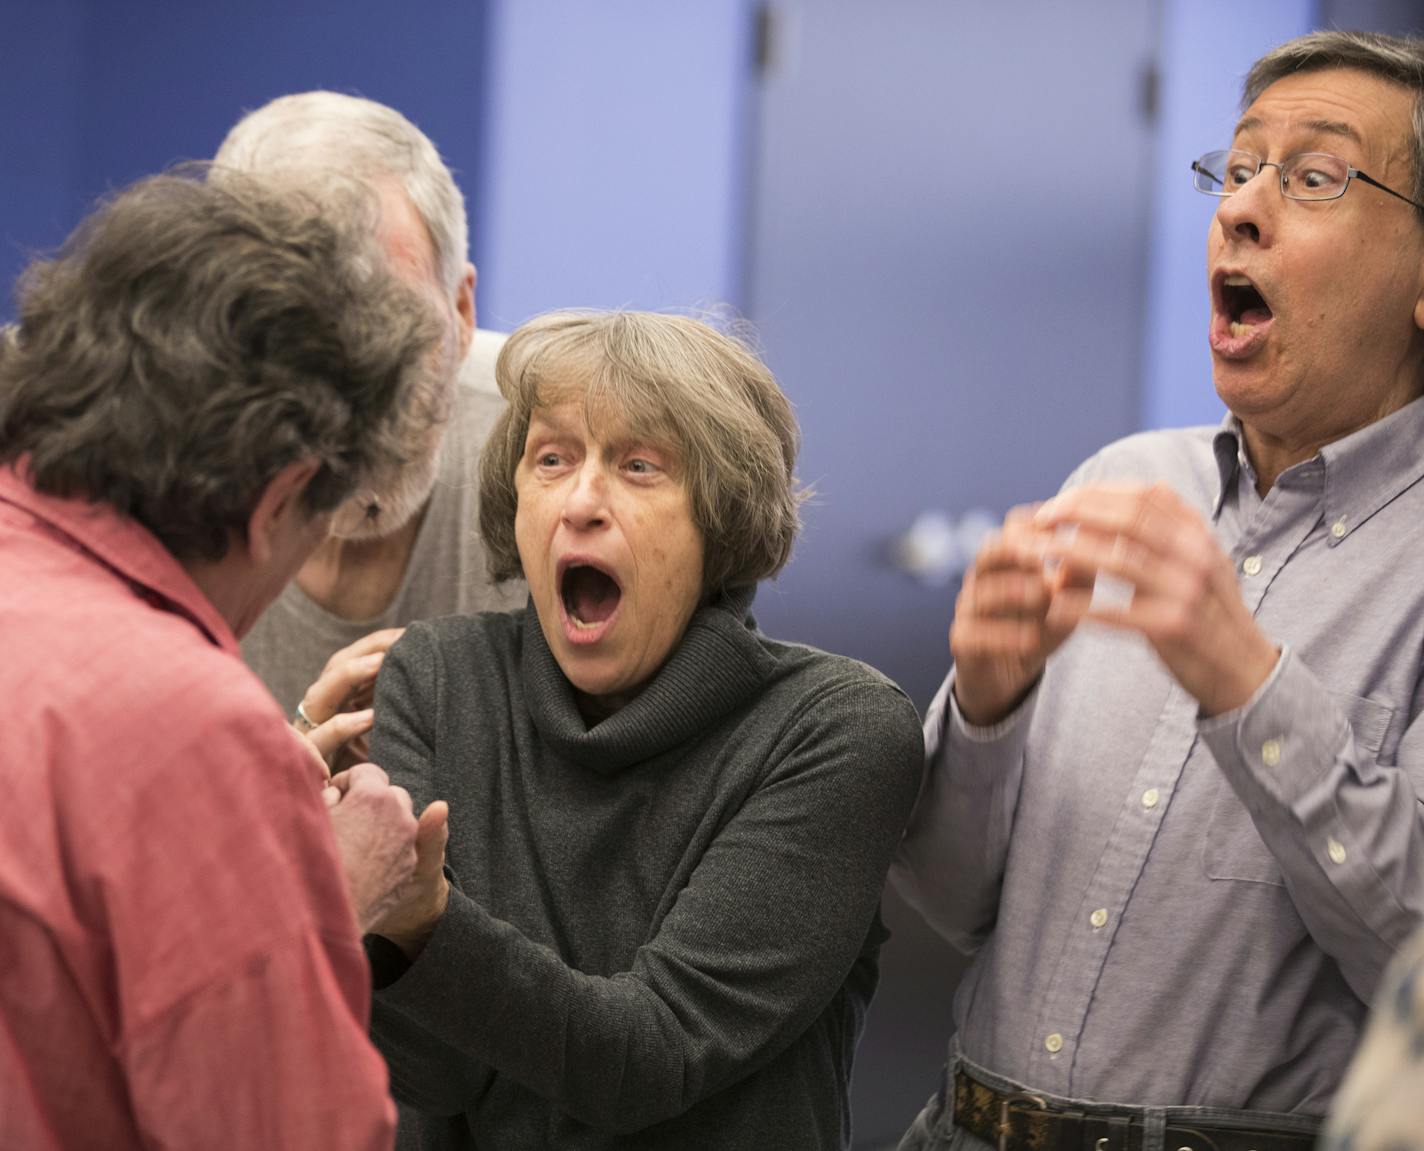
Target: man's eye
point(1238, 174)
point(1316, 178)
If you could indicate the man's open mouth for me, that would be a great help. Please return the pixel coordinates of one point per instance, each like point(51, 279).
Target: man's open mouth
point(1242, 303)
point(589, 593)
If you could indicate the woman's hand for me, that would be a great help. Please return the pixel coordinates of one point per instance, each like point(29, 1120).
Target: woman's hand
point(334, 713)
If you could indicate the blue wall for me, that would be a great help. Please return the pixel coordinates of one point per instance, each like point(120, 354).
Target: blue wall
point(1200, 74)
point(614, 174)
point(99, 92)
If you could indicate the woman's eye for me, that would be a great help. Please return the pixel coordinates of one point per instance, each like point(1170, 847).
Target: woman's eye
point(640, 467)
point(547, 459)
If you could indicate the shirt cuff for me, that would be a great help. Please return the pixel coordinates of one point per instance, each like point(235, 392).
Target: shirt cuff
point(1286, 737)
point(1015, 722)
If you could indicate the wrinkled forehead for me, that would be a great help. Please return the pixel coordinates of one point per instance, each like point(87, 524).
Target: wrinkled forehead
point(1341, 110)
point(613, 409)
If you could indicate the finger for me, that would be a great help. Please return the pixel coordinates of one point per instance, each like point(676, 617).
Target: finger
point(1153, 517)
point(329, 694)
point(431, 835)
point(1086, 553)
point(1022, 513)
point(1018, 548)
point(331, 735)
point(362, 775)
point(375, 642)
point(403, 798)
point(331, 796)
point(989, 637)
point(1012, 592)
point(311, 750)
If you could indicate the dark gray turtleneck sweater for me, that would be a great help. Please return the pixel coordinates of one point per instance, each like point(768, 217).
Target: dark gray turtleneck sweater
point(664, 929)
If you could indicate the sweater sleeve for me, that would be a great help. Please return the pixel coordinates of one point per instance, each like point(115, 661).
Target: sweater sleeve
point(756, 946)
point(424, 1072)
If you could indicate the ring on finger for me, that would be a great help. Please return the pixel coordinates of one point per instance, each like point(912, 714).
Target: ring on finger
point(301, 720)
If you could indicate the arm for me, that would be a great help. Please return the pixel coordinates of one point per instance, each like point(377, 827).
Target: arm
point(950, 865)
point(1347, 832)
point(754, 949)
point(1324, 788)
point(241, 984)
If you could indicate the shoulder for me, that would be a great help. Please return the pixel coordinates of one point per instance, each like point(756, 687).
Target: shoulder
point(462, 647)
point(1174, 456)
point(829, 691)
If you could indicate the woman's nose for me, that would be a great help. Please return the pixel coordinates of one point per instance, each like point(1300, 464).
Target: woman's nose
point(585, 504)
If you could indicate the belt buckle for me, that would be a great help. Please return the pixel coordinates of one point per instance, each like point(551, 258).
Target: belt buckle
point(1006, 1107)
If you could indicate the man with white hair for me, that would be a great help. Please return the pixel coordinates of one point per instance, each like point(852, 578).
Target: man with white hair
point(406, 547)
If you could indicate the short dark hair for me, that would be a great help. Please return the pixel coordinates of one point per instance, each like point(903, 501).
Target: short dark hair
point(677, 380)
point(196, 335)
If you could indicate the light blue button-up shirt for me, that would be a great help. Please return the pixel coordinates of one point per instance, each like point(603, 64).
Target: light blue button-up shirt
point(1169, 910)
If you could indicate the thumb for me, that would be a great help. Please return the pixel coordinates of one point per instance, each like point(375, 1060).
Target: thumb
point(431, 835)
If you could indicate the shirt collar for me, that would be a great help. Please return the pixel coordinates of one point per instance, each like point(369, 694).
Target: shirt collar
point(1363, 471)
point(123, 545)
point(1230, 460)
point(1368, 469)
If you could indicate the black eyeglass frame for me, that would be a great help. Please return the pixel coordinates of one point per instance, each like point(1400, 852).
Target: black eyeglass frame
point(1350, 174)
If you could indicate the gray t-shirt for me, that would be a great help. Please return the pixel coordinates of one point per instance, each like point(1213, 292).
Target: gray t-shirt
point(291, 643)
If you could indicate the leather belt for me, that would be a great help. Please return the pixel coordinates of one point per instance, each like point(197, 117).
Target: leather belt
point(1022, 1121)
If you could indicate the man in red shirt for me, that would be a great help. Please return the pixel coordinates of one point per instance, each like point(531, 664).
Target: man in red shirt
point(196, 382)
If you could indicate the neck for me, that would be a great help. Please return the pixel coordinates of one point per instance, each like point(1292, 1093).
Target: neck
point(359, 579)
point(1272, 453)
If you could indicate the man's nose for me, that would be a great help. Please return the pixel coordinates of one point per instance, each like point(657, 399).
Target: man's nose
point(1249, 211)
point(586, 504)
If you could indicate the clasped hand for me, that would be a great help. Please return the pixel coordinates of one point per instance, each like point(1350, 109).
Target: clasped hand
point(1033, 582)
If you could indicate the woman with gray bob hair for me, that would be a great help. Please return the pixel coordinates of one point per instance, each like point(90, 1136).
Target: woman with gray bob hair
point(671, 382)
point(668, 833)
point(194, 336)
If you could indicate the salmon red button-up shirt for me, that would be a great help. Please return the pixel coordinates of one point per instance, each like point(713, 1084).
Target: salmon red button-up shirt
point(179, 960)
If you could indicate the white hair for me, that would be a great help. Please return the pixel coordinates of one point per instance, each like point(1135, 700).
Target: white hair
point(365, 139)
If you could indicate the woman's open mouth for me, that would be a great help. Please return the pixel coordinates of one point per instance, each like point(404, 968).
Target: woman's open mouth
point(590, 597)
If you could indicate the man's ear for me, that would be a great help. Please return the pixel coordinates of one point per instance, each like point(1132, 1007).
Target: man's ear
point(278, 508)
point(465, 308)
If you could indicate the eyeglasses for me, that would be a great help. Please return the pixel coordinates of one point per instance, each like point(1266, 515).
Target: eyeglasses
point(1307, 176)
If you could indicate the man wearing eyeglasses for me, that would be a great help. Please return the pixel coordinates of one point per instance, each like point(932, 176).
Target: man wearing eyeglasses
point(1172, 798)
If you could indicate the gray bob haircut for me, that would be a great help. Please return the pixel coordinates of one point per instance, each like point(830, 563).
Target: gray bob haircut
point(193, 337)
point(673, 381)
point(1399, 59)
point(364, 139)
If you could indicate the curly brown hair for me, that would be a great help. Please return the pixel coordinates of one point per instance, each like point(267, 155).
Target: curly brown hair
point(194, 336)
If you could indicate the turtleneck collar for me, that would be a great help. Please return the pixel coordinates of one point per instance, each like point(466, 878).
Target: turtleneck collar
point(718, 665)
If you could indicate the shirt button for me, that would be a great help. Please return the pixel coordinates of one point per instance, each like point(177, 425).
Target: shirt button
point(1337, 529)
point(1271, 752)
point(1053, 1044)
point(1150, 797)
point(1251, 565)
point(1335, 850)
point(1099, 917)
